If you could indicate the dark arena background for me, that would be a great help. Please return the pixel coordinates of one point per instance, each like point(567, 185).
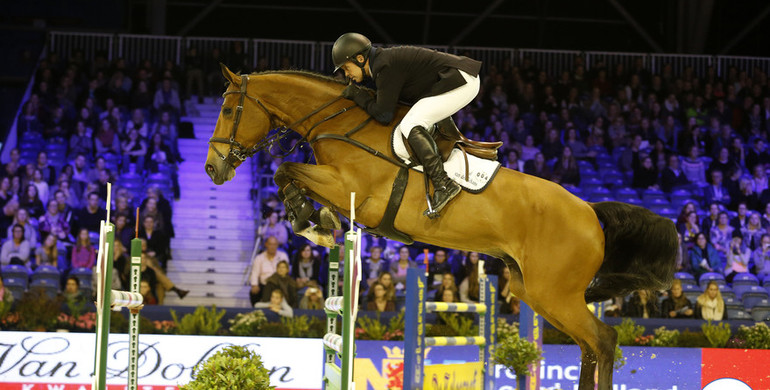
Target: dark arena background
point(663, 104)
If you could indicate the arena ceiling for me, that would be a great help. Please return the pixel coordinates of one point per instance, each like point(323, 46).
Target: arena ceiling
point(681, 26)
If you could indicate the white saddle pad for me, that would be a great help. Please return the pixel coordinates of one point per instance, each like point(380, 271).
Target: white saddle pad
point(480, 171)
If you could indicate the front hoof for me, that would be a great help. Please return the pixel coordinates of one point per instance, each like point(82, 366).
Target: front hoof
point(299, 225)
point(328, 219)
point(318, 235)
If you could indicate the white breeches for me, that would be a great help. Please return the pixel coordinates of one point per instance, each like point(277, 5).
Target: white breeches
point(429, 110)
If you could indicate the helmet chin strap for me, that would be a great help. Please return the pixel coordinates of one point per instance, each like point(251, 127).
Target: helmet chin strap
point(361, 65)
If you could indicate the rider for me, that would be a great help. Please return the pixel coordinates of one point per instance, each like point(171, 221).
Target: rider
point(438, 84)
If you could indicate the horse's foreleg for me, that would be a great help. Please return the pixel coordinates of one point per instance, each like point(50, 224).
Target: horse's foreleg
point(295, 181)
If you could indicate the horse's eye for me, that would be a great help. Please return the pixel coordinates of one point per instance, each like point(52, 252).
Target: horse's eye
point(227, 111)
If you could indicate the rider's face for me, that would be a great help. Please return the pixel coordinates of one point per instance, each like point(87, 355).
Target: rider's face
point(353, 72)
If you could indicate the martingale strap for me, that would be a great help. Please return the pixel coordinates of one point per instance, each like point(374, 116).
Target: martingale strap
point(386, 228)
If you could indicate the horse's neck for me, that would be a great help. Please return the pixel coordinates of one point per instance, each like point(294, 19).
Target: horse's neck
point(296, 96)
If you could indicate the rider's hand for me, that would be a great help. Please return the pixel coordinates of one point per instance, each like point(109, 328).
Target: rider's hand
point(351, 91)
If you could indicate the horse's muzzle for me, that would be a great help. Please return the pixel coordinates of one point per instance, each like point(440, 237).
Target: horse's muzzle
point(212, 173)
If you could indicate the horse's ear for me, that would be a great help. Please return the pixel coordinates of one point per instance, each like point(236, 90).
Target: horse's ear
point(230, 76)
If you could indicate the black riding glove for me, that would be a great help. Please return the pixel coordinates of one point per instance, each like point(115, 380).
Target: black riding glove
point(357, 94)
point(351, 91)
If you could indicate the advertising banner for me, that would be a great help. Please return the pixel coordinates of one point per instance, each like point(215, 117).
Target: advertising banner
point(454, 376)
point(379, 364)
point(64, 361)
point(750, 366)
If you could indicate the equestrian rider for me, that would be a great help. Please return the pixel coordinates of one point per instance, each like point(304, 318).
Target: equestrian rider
point(437, 84)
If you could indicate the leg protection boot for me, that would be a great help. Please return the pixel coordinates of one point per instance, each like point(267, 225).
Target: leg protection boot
point(298, 207)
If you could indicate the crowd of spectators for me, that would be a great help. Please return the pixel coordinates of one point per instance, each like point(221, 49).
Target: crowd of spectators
point(689, 141)
point(690, 146)
point(87, 123)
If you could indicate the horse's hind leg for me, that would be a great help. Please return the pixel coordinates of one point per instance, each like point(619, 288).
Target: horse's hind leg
point(596, 339)
point(608, 338)
point(577, 323)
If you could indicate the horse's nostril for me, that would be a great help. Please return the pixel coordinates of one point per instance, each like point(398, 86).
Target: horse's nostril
point(209, 169)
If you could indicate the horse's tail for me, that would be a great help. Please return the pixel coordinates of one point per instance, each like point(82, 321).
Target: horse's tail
point(639, 251)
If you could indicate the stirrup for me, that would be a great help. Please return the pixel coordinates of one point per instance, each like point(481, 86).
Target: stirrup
point(434, 208)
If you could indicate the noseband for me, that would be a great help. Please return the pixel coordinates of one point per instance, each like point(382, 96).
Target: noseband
point(238, 152)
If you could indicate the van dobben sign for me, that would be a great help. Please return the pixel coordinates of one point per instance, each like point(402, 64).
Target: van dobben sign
point(64, 361)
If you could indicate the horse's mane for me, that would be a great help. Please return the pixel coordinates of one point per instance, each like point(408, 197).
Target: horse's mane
point(306, 73)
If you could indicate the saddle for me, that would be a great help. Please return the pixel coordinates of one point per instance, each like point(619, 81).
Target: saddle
point(447, 136)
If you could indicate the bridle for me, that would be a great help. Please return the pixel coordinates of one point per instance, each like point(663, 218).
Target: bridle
point(239, 152)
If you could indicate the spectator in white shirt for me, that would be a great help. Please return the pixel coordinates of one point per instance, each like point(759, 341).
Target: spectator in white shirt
point(263, 266)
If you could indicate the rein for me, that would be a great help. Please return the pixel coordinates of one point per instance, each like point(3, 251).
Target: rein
point(239, 153)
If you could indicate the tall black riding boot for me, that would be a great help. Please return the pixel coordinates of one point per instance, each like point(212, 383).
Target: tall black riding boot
point(444, 189)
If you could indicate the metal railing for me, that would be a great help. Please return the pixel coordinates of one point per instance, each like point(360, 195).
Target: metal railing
point(553, 62)
point(724, 63)
point(680, 62)
point(277, 54)
point(612, 59)
point(91, 44)
point(155, 48)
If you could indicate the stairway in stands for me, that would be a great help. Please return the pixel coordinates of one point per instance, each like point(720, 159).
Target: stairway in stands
point(215, 225)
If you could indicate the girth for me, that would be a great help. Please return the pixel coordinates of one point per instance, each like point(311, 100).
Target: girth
point(386, 228)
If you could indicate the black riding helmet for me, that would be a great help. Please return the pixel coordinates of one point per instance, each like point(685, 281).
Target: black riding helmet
point(347, 47)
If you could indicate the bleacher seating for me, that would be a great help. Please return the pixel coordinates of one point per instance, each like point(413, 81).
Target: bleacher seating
point(733, 304)
point(761, 311)
point(709, 276)
point(745, 279)
point(623, 192)
point(577, 191)
point(680, 196)
point(17, 272)
point(16, 286)
point(738, 315)
point(651, 194)
point(48, 272)
point(691, 291)
point(613, 179)
point(751, 295)
point(632, 200)
point(51, 288)
point(686, 278)
point(84, 275)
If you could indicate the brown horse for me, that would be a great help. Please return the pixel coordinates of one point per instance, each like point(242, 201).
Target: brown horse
point(562, 251)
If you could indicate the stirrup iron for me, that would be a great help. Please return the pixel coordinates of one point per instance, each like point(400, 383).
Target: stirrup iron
point(430, 212)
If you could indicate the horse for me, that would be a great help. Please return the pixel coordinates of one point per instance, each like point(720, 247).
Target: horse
point(562, 251)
